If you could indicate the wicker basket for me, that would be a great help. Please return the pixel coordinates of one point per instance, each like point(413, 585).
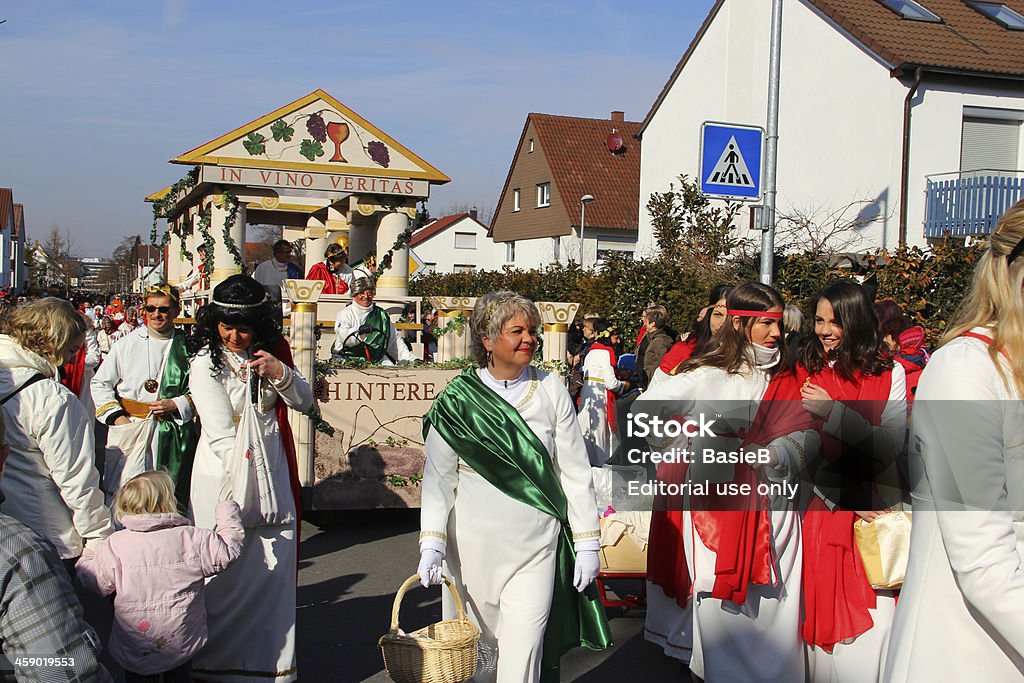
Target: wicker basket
point(444, 652)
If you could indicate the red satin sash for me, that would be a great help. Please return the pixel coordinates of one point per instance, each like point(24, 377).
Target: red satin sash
point(284, 354)
point(741, 536)
point(837, 595)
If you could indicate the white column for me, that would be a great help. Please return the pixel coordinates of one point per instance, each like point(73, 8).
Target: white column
point(224, 265)
point(303, 295)
point(395, 280)
point(175, 274)
point(556, 316)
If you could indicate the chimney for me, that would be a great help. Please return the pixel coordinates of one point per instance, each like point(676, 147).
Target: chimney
point(472, 214)
point(619, 116)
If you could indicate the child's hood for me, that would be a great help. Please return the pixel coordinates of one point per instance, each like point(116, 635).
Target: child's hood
point(152, 522)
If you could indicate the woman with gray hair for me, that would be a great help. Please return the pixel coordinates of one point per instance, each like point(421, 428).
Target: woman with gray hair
point(508, 500)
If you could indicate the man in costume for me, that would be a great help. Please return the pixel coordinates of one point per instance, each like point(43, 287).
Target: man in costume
point(273, 272)
point(196, 276)
point(363, 330)
point(144, 376)
point(336, 274)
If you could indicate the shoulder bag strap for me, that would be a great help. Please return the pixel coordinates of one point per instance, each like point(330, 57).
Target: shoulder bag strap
point(32, 380)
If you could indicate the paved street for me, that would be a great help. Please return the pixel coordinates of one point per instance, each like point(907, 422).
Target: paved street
point(350, 568)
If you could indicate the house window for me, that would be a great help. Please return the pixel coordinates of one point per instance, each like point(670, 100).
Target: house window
point(515, 199)
point(464, 268)
point(1000, 13)
point(530, 149)
point(556, 248)
point(909, 9)
point(510, 252)
point(429, 268)
point(465, 240)
point(543, 195)
point(989, 144)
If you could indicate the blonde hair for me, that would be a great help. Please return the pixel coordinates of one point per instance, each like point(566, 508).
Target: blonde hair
point(46, 326)
point(146, 494)
point(995, 299)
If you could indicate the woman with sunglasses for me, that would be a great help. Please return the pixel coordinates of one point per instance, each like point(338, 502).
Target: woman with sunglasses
point(251, 606)
point(737, 606)
point(961, 610)
point(850, 384)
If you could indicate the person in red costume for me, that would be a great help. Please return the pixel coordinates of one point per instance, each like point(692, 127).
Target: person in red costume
point(739, 591)
point(709, 320)
point(850, 383)
point(334, 270)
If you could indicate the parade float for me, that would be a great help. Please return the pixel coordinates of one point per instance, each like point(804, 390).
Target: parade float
point(325, 174)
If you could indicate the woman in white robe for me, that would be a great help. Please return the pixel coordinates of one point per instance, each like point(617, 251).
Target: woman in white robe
point(961, 611)
point(597, 415)
point(251, 606)
point(756, 637)
point(502, 551)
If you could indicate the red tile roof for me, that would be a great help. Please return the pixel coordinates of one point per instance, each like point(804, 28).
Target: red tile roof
point(434, 227)
point(577, 153)
point(19, 220)
point(6, 206)
point(965, 42)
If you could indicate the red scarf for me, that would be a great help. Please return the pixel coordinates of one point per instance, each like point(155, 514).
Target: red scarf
point(837, 595)
point(677, 355)
point(71, 374)
point(742, 538)
point(283, 353)
point(610, 407)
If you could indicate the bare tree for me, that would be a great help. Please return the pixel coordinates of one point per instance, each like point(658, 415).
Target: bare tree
point(825, 231)
point(484, 211)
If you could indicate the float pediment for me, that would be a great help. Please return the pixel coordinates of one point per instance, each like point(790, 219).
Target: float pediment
point(314, 134)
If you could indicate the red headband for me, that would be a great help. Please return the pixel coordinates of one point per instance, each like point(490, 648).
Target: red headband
point(774, 315)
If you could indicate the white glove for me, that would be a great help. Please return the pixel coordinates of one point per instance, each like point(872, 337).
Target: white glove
point(588, 564)
point(430, 567)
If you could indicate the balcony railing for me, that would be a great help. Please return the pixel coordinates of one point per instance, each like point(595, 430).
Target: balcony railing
point(969, 203)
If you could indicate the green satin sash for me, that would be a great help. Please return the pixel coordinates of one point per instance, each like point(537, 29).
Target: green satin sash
point(176, 444)
point(373, 346)
point(494, 439)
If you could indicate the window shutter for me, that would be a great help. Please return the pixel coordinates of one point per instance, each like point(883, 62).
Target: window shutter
point(989, 144)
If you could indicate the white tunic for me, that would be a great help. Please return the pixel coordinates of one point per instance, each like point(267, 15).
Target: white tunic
point(251, 606)
point(961, 611)
point(500, 552)
point(759, 640)
point(346, 327)
point(600, 378)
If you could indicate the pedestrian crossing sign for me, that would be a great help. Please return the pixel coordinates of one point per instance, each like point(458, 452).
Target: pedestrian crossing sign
point(730, 160)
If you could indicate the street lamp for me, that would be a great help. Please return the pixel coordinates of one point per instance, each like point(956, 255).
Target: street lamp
point(584, 200)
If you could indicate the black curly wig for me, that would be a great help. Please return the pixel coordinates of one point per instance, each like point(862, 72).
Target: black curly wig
point(259, 313)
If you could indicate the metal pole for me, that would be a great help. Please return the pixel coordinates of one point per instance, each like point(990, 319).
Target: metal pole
point(771, 160)
point(583, 214)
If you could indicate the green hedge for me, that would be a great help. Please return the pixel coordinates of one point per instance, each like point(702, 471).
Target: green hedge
point(927, 284)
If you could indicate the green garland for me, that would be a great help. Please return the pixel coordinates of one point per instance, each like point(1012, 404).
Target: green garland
point(455, 325)
point(204, 232)
point(230, 200)
point(162, 207)
point(385, 262)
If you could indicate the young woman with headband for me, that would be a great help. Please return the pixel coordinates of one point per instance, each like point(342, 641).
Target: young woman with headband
point(742, 611)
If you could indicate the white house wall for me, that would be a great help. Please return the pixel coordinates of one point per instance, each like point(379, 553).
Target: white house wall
point(840, 119)
point(440, 249)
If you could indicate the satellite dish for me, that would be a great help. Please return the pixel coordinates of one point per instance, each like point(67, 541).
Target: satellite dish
point(615, 142)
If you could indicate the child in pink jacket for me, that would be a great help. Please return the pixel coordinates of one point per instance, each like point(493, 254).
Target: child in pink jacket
point(157, 566)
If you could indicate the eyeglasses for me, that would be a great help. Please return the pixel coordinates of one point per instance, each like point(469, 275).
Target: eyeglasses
point(163, 309)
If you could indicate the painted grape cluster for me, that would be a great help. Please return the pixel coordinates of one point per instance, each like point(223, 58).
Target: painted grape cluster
point(316, 127)
point(378, 151)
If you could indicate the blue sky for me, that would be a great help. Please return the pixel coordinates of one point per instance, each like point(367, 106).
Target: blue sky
point(97, 96)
